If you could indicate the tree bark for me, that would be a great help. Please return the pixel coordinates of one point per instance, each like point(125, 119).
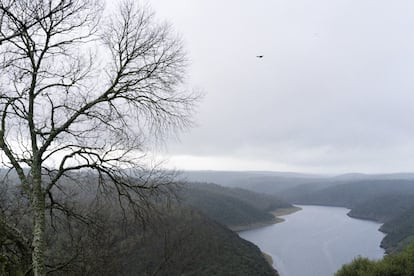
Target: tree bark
point(39, 222)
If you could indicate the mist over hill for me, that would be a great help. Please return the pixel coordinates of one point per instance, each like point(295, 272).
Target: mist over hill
point(262, 182)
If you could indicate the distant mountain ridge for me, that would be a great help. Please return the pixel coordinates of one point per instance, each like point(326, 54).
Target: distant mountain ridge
point(281, 183)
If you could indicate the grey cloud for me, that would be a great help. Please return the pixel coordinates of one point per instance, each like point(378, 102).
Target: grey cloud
point(334, 88)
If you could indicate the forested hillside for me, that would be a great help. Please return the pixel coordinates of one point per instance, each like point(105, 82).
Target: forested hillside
point(351, 193)
point(233, 207)
point(166, 237)
point(185, 242)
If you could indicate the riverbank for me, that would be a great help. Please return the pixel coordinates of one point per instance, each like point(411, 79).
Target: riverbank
point(276, 213)
point(251, 226)
point(285, 211)
point(268, 258)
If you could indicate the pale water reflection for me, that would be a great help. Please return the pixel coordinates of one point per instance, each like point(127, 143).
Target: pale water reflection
point(317, 240)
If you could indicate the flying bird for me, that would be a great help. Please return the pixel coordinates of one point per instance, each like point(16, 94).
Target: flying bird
point(259, 56)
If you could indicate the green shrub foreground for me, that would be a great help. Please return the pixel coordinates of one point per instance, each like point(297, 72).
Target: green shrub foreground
point(401, 264)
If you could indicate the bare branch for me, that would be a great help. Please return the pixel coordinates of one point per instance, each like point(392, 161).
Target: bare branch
point(79, 95)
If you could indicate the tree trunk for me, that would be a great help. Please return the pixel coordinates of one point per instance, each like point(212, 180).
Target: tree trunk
point(38, 201)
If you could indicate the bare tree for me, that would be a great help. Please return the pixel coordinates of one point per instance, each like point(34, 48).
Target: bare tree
point(82, 93)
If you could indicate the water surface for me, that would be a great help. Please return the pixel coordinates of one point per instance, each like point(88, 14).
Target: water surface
point(317, 240)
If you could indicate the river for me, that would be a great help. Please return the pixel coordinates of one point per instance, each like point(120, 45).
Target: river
point(317, 241)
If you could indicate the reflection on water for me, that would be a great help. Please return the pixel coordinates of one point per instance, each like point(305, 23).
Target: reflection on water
point(317, 240)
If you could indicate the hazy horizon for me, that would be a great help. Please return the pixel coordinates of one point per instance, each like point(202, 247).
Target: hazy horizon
point(299, 173)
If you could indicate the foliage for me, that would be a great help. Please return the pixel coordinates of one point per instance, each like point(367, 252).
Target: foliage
point(401, 264)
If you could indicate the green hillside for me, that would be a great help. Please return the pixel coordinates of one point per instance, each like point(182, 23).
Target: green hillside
point(173, 240)
point(188, 243)
point(383, 208)
point(232, 207)
point(400, 231)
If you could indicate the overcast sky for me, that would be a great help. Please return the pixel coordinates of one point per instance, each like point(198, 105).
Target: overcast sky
point(334, 92)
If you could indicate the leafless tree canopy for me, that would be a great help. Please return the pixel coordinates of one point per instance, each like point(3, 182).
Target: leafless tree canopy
point(84, 91)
